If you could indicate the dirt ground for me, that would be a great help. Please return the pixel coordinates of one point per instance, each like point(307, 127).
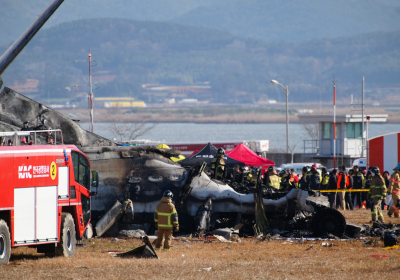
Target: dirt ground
point(280, 259)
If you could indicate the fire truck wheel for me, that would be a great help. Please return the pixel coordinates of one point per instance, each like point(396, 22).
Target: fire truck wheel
point(5, 243)
point(67, 244)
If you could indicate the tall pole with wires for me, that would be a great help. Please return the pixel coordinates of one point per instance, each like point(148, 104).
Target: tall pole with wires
point(334, 122)
point(90, 97)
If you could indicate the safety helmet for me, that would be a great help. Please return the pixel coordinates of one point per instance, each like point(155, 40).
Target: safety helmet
point(374, 170)
point(398, 166)
point(283, 172)
point(168, 194)
point(270, 168)
point(221, 151)
point(246, 168)
point(255, 170)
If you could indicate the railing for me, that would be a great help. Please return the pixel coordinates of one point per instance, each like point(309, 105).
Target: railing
point(322, 147)
point(20, 138)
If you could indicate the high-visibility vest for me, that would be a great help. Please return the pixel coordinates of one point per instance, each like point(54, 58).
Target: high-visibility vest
point(340, 180)
point(275, 181)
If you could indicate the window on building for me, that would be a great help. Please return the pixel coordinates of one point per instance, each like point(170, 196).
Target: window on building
point(354, 130)
point(326, 130)
point(357, 130)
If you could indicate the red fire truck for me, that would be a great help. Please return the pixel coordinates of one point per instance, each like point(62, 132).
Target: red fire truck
point(45, 195)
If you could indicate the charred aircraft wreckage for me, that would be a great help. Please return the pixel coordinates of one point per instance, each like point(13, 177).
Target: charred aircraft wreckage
point(133, 179)
point(136, 177)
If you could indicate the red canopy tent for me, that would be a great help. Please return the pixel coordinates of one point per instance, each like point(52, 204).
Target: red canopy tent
point(244, 154)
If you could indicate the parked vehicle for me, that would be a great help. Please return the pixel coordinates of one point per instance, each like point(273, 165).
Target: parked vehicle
point(298, 166)
point(361, 163)
point(45, 194)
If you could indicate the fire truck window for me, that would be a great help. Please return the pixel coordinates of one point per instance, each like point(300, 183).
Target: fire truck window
point(84, 172)
point(75, 162)
point(85, 208)
point(81, 169)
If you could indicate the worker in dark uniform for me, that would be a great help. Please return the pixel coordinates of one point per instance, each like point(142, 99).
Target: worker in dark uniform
point(236, 174)
point(368, 179)
point(358, 184)
point(218, 164)
point(313, 178)
point(303, 182)
point(332, 185)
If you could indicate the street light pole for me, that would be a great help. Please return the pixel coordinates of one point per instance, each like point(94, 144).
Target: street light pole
point(274, 82)
point(287, 121)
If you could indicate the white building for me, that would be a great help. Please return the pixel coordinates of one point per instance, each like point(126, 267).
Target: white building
point(349, 137)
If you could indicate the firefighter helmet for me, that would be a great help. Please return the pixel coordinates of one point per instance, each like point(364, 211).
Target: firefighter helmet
point(221, 151)
point(256, 170)
point(283, 172)
point(374, 170)
point(168, 194)
point(271, 168)
point(398, 166)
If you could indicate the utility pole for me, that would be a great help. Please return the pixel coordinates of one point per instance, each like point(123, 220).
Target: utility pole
point(90, 97)
point(334, 122)
point(363, 142)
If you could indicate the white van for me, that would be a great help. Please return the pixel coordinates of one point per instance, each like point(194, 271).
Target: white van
point(361, 163)
point(298, 166)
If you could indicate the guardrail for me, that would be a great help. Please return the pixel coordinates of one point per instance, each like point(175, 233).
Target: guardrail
point(15, 138)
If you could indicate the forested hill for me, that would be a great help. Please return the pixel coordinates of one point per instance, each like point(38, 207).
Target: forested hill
point(131, 53)
point(270, 20)
point(17, 15)
point(296, 20)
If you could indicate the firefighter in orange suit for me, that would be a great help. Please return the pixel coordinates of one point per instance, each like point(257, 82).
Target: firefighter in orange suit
point(394, 190)
point(166, 219)
point(377, 192)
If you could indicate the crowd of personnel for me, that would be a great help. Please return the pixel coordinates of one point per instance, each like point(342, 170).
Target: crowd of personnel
point(346, 190)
